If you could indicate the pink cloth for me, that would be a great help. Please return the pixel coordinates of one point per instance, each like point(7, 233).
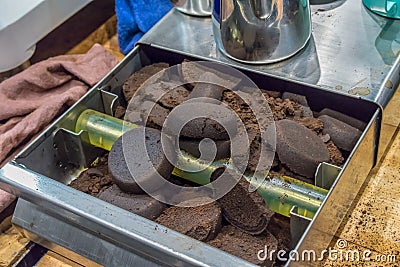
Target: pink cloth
point(30, 100)
point(5, 200)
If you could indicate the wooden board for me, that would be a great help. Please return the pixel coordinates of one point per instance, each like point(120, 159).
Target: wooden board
point(55, 260)
point(12, 246)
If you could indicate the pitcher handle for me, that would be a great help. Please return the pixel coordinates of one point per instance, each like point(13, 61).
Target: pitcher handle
point(390, 7)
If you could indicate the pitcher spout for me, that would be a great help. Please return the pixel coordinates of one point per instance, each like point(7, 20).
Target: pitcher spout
point(263, 9)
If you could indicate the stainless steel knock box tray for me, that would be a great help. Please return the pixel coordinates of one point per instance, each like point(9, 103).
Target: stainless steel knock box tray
point(76, 224)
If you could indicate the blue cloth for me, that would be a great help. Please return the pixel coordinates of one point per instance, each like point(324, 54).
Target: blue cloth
point(136, 17)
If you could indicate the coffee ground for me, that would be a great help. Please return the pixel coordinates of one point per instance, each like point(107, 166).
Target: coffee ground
point(95, 179)
point(200, 222)
point(336, 157)
point(312, 123)
point(279, 226)
point(245, 246)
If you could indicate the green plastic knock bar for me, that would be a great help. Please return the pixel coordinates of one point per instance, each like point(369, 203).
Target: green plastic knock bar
point(280, 193)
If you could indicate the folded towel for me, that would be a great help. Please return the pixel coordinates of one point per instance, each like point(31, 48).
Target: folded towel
point(136, 17)
point(31, 99)
point(5, 200)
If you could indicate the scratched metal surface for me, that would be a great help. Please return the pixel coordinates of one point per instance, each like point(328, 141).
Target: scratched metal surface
point(351, 50)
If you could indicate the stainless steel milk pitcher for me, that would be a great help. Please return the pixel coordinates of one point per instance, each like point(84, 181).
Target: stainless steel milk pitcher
point(200, 8)
point(261, 31)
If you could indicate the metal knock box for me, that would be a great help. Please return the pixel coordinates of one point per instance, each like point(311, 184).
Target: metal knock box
point(76, 224)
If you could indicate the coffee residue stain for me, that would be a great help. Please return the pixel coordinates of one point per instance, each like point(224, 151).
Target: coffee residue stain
point(389, 84)
point(363, 91)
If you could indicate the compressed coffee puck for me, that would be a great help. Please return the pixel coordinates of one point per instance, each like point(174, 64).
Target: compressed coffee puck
point(156, 114)
point(137, 79)
point(148, 177)
point(134, 117)
point(307, 112)
point(261, 155)
point(143, 205)
point(207, 90)
point(256, 154)
point(360, 125)
point(191, 72)
point(279, 226)
point(200, 120)
point(299, 147)
point(174, 97)
point(200, 222)
point(342, 134)
point(301, 99)
point(245, 246)
point(243, 209)
point(274, 94)
point(167, 94)
point(191, 146)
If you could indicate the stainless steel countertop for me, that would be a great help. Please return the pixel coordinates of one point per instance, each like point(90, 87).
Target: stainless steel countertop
point(351, 50)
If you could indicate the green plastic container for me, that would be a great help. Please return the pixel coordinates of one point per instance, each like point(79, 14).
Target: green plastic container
point(387, 8)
